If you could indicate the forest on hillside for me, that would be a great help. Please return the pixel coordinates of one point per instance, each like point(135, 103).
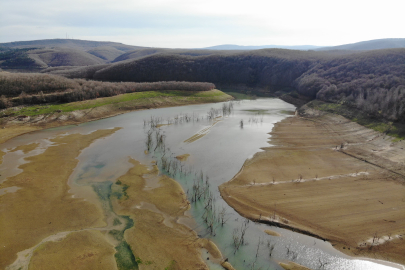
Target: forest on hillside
point(35, 88)
point(372, 81)
point(16, 58)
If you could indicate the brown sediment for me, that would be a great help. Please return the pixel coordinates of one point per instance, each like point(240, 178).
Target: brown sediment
point(26, 148)
point(157, 237)
point(78, 250)
point(42, 206)
point(162, 125)
point(12, 131)
point(227, 266)
point(202, 132)
point(272, 233)
point(183, 157)
point(293, 266)
point(330, 178)
point(211, 248)
point(1, 156)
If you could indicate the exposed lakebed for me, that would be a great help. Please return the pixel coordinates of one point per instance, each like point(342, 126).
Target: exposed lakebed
point(218, 150)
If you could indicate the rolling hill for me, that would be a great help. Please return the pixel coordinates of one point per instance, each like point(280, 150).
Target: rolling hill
point(140, 53)
point(369, 81)
point(83, 45)
point(63, 57)
point(64, 52)
point(249, 48)
point(372, 81)
point(106, 53)
point(376, 44)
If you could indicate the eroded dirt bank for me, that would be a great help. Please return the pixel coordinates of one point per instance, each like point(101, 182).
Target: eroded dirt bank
point(329, 177)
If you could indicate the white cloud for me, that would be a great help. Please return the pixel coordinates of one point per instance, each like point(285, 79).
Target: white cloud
point(180, 23)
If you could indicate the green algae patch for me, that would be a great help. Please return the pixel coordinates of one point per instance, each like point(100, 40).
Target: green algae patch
point(124, 257)
point(156, 239)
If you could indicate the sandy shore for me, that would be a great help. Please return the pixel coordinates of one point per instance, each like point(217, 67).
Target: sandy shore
point(331, 178)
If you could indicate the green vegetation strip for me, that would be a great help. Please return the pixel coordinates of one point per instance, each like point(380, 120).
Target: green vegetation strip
point(124, 257)
point(141, 98)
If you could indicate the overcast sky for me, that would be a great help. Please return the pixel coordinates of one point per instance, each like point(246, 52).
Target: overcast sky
point(203, 23)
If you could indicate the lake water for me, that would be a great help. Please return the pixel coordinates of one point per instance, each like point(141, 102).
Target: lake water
point(222, 147)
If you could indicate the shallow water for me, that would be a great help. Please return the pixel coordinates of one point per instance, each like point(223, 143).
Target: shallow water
point(219, 153)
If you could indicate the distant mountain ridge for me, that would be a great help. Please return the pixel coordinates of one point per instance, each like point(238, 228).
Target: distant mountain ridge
point(249, 48)
point(87, 45)
point(376, 44)
point(49, 53)
point(361, 75)
point(68, 43)
point(64, 52)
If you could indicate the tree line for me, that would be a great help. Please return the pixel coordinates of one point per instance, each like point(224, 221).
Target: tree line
point(36, 88)
point(373, 81)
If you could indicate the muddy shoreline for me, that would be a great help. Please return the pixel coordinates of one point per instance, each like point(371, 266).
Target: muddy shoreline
point(46, 227)
point(11, 127)
point(329, 178)
point(101, 241)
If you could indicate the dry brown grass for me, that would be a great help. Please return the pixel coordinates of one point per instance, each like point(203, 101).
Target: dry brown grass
point(14, 131)
point(83, 250)
point(1, 156)
point(305, 183)
point(26, 148)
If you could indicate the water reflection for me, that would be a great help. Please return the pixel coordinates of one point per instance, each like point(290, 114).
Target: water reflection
point(219, 154)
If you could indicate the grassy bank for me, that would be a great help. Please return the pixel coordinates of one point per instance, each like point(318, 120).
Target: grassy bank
point(135, 99)
point(18, 120)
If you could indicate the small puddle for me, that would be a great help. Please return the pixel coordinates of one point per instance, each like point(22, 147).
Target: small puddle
point(8, 190)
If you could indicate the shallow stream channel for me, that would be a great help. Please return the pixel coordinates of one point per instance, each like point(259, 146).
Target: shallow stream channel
point(214, 140)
